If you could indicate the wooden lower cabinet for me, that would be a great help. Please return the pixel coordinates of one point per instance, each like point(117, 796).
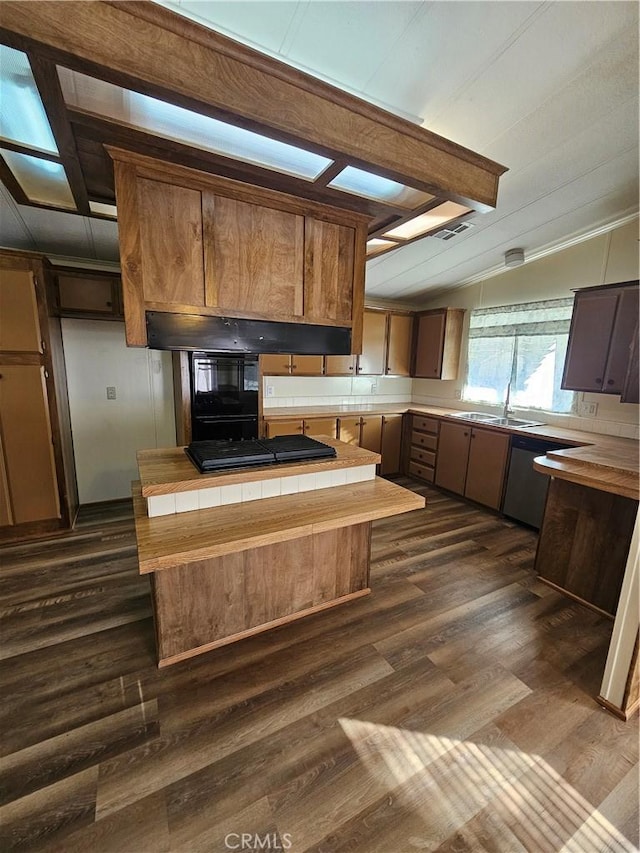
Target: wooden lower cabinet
point(488, 455)
point(210, 603)
point(584, 542)
point(311, 426)
point(391, 445)
point(378, 433)
point(472, 462)
point(293, 427)
point(423, 435)
point(321, 426)
point(453, 456)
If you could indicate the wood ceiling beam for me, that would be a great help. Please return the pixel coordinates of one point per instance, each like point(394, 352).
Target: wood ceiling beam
point(172, 57)
point(46, 77)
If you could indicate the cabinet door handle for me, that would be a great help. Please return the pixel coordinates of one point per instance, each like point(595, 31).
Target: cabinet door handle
point(598, 381)
point(610, 382)
point(351, 367)
point(466, 433)
point(108, 304)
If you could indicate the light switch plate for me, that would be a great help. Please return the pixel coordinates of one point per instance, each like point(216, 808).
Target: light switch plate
point(111, 392)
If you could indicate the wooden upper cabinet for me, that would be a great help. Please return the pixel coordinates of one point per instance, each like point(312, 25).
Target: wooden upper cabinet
point(400, 338)
point(19, 323)
point(307, 365)
point(340, 365)
point(87, 293)
point(601, 340)
point(253, 257)
point(291, 365)
point(196, 243)
point(170, 219)
point(623, 352)
point(374, 329)
point(329, 271)
point(438, 339)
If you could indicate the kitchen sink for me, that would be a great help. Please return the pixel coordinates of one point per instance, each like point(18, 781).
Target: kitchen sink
point(494, 420)
point(473, 416)
point(513, 422)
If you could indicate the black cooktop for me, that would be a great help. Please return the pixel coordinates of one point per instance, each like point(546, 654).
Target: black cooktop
point(219, 455)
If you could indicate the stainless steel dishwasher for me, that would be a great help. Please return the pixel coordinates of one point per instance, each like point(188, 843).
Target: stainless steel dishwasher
point(526, 490)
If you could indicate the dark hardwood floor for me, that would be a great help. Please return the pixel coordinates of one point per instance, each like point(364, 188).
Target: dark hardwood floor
point(450, 710)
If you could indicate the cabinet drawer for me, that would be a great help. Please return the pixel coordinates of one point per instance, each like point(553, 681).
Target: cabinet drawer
point(421, 471)
point(423, 457)
point(425, 424)
point(423, 439)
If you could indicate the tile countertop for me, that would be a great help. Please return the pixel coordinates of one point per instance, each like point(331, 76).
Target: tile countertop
point(599, 461)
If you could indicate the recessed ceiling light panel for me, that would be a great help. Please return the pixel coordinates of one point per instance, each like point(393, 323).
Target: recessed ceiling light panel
point(375, 246)
point(42, 181)
point(426, 222)
point(22, 116)
point(103, 209)
point(367, 184)
point(190, 128)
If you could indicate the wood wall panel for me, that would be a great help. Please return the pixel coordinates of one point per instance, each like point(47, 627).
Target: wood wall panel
point(208, 601)
point(171, 243)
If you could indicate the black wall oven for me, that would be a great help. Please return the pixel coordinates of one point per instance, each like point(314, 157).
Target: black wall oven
point(224, 396)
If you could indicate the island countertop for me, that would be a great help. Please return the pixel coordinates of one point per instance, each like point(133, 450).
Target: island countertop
point(170, 470)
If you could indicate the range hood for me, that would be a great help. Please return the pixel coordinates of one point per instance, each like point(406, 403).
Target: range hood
point(230, 334)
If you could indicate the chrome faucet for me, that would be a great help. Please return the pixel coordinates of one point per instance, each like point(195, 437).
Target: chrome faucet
point(506, 411)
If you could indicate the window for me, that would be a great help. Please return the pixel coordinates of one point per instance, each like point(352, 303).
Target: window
point(524, 345)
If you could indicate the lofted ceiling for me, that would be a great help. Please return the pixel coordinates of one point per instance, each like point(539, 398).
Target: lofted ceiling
point(548, 89)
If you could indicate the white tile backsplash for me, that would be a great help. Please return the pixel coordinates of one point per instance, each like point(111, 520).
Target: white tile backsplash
point(289, 391)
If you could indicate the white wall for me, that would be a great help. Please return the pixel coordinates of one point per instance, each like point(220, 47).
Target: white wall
point(107, 433)
point(605, 259)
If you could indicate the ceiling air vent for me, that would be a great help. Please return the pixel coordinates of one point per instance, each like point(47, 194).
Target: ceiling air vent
point(448, 233)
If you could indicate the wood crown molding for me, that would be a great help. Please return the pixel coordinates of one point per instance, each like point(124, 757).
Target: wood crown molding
point(150, 49)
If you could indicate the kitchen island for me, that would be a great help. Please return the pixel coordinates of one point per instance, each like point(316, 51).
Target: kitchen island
point(589, 549)
point(235, 553)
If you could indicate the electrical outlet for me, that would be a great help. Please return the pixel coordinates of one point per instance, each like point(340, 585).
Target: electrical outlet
point(270, 390)
point(457, 394)
point(111, 392)
point(589, 410)
point(374, 387)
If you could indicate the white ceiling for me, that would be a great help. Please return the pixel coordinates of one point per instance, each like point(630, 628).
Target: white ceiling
point(548, 89)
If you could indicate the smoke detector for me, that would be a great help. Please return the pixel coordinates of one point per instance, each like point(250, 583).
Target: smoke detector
point(514, 257)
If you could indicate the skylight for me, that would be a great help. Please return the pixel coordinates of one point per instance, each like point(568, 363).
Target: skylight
point(103, 209)
point(375, 246)
point(180, 125)
point(369, 185)
point(22, 116)
point(42, 181)
point(427, 221)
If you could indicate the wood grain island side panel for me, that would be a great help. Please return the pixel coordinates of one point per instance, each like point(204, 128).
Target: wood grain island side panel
point(210, 603)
